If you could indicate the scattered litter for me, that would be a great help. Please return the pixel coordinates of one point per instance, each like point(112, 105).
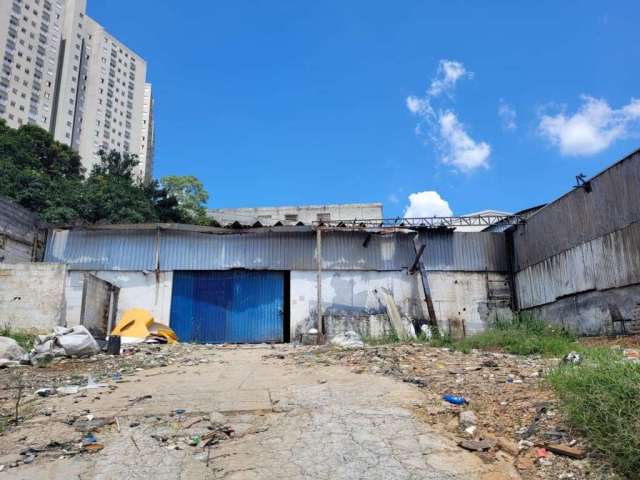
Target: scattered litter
point(479, 445)
point(137, 325)
point(572, 357)
point(89, 439)
point(75, 341)
point(566, 450)
point(541, 453)
point(454, 399)
point(421, 382)
point(139, 399)
point(91, 384)
point(45, 392)
point(68, 390)
point(348, 339)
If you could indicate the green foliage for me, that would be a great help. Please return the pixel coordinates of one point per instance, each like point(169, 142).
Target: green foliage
point(190, 194)
point(521, 335)
point(47, 177)
point(601, 398)
point(25, 340)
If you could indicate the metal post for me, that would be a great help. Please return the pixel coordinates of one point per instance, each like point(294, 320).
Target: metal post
point(319, 280)
point(433, 321)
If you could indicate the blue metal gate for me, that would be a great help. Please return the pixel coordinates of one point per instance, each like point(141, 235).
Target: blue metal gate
point(231, 306)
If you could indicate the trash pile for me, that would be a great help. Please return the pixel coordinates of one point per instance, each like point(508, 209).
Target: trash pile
point(63, 342)
point(494, 404)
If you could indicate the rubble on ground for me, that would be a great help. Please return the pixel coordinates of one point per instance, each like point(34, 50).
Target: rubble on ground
point(505, 408)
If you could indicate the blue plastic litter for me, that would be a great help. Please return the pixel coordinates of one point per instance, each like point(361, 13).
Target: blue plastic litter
point(180, 411)
point(454, 399)
point(89, 439)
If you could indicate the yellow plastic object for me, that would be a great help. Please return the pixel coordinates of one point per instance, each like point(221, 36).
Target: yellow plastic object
point(138, 323)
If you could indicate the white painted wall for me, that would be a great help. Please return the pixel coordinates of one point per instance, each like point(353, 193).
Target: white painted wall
point(137, 290)
point(32, 296)
point(352, 293)
point(463, 297)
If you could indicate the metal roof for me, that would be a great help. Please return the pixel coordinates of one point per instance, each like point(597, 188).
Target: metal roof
point(272, 249)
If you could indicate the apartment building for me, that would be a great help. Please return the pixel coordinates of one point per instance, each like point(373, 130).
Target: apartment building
point(64, 72)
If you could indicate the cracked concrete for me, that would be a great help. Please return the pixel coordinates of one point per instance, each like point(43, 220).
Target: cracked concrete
point(314, 422)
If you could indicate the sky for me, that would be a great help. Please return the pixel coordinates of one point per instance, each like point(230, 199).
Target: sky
point(432, 108)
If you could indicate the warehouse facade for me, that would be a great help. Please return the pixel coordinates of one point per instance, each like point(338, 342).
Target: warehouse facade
point(261, 284)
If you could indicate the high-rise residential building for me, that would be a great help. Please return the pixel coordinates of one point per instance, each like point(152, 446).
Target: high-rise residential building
point(64, 72)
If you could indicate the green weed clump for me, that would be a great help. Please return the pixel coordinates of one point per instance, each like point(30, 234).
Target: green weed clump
point(522, 335)
point(601, 398)
point(25, 340)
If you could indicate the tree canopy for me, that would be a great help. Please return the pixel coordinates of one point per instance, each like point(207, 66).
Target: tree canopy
point(190, 194)
point(47, 177)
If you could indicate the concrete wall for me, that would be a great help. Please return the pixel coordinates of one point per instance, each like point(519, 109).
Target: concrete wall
point(306, 214)
point(32, 296)
point(463, 301)
point(351, 294)
point(137, 290)
point(466, 302)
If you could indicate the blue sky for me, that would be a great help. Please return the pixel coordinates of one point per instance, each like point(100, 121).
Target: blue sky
point(495, 104)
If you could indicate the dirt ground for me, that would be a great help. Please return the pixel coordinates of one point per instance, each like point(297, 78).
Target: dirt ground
point(261, 412)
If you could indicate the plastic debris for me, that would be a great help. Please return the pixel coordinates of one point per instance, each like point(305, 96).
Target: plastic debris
point(137, 325)
point(10, 350)
point(454, 399)
point(572, 357)
point(45, 392)
point(348, 339)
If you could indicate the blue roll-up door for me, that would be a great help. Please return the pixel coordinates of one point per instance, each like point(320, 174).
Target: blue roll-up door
point(235, 306)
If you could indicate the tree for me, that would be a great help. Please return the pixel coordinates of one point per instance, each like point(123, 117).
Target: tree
point(47, 177)
point(190, 195)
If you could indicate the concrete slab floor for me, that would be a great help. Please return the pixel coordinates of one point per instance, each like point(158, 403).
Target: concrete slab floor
point(292, 422)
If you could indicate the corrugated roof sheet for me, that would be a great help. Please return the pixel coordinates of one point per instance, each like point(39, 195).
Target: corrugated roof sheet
point(273, 250)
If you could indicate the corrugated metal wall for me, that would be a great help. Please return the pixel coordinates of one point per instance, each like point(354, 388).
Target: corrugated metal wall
point(465, 251)
point(581, 216)
point(583, 241)
point(102, 249)
point(610, 261)
point(228, 306)
point(136, 250)
point(18, 232)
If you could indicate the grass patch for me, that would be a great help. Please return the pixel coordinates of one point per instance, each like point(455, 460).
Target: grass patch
point(601, 399)
point(25, 340)
point(521, 335)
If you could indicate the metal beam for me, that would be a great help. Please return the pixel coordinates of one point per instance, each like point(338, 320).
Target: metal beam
point(433, 321)
point(424, 222)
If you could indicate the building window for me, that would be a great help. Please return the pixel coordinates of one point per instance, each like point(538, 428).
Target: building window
point(291, 217)
point(323, 217)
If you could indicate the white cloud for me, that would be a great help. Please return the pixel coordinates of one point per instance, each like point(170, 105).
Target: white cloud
point(459, 149)
point(427, 204)
point(507, 115)
point(441, 125)
point(393, 198)
point(592, 129)
point(449, 72)
point(418, 105)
